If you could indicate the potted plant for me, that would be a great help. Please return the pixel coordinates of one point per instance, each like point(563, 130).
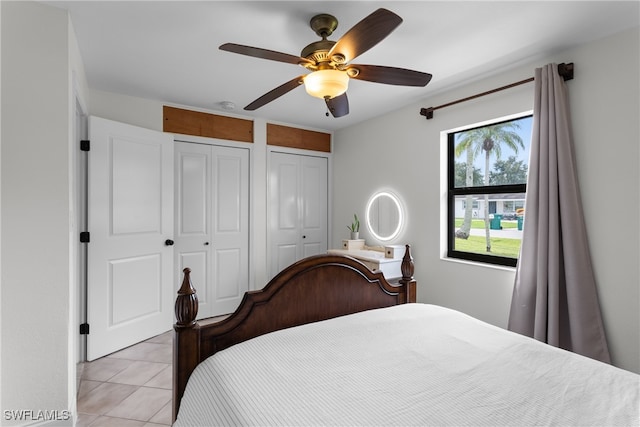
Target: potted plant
point(354, 227)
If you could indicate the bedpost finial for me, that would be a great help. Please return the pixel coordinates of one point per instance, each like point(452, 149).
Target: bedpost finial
point(407, 276)
point(407, 266)
point(186, 288)
point(186, 308)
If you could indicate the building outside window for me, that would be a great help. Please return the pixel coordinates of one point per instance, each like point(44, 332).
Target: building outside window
point(487, 180)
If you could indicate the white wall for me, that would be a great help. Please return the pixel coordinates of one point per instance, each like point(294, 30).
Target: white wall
point(39, 57)
point(78, 89)
point(403, 152)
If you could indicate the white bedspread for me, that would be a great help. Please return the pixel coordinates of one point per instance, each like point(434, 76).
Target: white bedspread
point(412, 364)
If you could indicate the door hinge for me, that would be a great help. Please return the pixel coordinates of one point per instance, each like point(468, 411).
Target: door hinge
point(84, 237)
point(84, 329)
point(85, 145)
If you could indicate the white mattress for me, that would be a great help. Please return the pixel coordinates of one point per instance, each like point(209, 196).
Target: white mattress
point(412, 364)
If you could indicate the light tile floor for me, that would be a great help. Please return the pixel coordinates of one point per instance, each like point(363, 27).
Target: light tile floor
point(129, 388)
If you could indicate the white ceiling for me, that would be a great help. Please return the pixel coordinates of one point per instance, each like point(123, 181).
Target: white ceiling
point(168, 50)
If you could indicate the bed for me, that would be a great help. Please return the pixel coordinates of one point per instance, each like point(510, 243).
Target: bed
point(328, 342)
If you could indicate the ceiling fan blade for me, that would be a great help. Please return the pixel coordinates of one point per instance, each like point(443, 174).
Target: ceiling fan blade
point(338, 106)
point(366, 34)
point(264, 53)
point(390, 75)
point(275, 93)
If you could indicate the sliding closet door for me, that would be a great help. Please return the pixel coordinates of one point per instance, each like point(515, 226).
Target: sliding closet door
point(314, 205)
point(297, 208)
point(212, 223)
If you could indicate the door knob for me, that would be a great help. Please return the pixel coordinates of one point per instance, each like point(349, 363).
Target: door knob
point(206, 243)
point(168, 242)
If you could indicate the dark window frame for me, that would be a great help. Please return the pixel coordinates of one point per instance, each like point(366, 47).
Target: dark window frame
point(453, 191)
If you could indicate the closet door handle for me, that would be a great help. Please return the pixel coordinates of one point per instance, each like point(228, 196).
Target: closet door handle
point(206, 243)
point(168, 242)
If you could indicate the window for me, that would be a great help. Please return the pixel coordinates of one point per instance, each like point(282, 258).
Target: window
point(487, 183)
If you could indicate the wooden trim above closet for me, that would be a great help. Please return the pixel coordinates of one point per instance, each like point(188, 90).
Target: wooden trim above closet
point(284, 136)
point(187, 122)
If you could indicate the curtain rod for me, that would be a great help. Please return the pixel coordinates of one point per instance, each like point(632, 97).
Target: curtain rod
point(565, 70)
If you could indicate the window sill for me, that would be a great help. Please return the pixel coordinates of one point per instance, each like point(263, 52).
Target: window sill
point(478, 264)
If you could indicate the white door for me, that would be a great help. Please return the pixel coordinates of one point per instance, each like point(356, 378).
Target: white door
point(130, 220)
point(297, 208)
point(212, 223)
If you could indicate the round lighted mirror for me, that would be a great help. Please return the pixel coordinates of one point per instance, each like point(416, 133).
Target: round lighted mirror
point(384, 216)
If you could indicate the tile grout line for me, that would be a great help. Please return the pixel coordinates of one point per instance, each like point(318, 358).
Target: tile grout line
point(165, 346)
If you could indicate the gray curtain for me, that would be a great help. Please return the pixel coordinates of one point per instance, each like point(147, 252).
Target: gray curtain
point(555, 296)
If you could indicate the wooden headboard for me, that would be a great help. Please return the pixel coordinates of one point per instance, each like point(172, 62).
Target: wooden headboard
point(313, 289)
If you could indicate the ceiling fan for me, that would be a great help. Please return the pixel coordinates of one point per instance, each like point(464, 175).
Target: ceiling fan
point(328, 61)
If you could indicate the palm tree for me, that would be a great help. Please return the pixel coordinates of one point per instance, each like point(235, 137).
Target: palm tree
point(465, 228)
point(490, 140)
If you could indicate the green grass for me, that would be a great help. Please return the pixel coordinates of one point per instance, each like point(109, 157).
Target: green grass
point(499, 246)
point(478, 244)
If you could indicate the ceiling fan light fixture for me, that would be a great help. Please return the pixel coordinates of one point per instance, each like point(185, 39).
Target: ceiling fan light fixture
point(328, 62)
point(325, 84)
